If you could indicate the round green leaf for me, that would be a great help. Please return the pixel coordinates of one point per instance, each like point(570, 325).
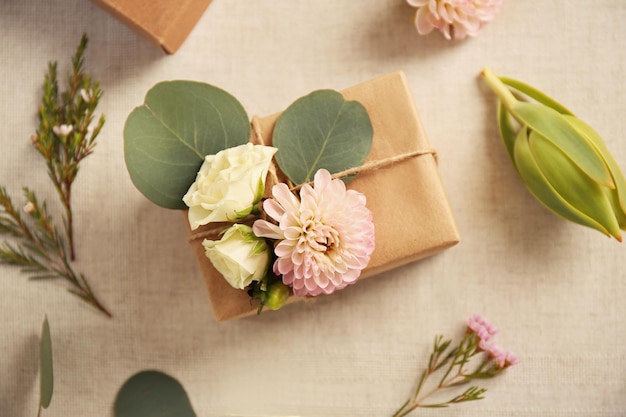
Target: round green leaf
point(321, 130)
point(46, 378)
point(152, 394)
point(167, 138)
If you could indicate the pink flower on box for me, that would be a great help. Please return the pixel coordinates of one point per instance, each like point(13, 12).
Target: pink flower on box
point(456, 19)
point(325, 238)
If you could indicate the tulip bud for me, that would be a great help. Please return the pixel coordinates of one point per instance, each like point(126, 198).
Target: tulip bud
point(562, 161)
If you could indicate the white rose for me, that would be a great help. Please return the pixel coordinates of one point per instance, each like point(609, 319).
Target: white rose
point(240, 256)
point(228, 184)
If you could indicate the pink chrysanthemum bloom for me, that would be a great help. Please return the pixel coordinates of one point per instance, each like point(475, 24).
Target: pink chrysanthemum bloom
point(325, 238)
point(483, 329)
point(456, 19)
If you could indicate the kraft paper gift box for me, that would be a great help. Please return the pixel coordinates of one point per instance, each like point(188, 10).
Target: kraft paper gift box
point(165, 23)
point(412, 217)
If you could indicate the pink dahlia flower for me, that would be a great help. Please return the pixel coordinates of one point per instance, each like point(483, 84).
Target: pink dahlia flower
point(456, 19)
point(325, 238)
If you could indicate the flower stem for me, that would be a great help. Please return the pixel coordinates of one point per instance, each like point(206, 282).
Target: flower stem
point(498, 87)
point(457, 358)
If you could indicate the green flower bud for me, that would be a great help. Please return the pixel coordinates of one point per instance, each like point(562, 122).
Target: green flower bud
point(276, 295)
point(562, 161)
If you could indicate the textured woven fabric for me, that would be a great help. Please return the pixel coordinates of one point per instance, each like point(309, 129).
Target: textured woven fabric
point(555, 289)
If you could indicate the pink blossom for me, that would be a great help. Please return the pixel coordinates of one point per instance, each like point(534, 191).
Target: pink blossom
point(483, 329)
point(501, 357)
point(326, 237)
point(456, 19)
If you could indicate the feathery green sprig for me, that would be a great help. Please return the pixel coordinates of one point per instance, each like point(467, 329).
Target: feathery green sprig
point(38, 247)
point(65, 136)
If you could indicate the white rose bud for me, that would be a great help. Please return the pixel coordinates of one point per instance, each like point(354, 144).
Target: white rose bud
point(240, 256)
point(228, 184)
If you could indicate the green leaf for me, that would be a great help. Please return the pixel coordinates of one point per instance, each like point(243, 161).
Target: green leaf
point(321, 130)
point(572, 184)
point(540, 187)
point(551, 125)
point(152, 394)
point(46, 378)
point(167, 138)
point(535, 94)
point(506, 128)
point(616, 173)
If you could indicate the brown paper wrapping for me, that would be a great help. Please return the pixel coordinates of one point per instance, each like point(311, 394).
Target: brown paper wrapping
point(411, 213)
point(165, 23)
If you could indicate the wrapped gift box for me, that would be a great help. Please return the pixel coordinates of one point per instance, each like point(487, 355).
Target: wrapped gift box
point(410, 208)
point(163, 22)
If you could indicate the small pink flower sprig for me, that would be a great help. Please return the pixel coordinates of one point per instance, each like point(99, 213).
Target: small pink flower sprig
point(489, 361)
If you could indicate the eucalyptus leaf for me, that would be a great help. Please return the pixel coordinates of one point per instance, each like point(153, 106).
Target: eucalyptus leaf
point(46, 378)
point(321, 130)
point(167, 138)
point(152, 394)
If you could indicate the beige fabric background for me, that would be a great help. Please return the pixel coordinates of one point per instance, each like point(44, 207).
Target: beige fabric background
point(555, 289)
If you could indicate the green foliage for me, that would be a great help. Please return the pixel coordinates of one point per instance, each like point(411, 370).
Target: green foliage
point(554, 128)
point(152, 394)
point(46, 377)
point(321, 130)
point(454, 363)
point(39, 249)
point(167, 138)
point(74, 108)
point(64, 138)
point(562, 161)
